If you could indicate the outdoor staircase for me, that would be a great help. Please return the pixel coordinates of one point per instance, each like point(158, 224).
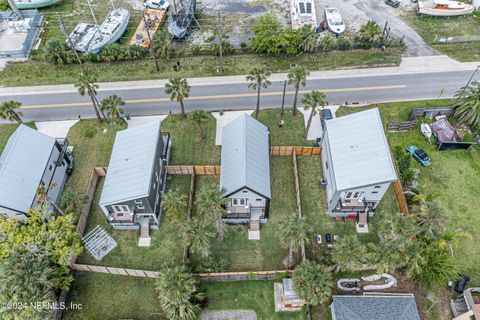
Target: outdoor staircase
point(254, 230)
point(144, 240)
point(362, 223)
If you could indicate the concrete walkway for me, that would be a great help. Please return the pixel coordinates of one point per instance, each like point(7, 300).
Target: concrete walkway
point(229, 315)
point(224, 119)
point(409, 65)
point(55, 129)
point(316, 129)
point(138, 121)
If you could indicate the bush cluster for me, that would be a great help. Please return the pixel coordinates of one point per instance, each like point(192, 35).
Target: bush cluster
point(403, 161)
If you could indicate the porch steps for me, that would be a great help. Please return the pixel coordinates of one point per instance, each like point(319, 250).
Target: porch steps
point(362, 224)
point(144, 240)
point(254, 230)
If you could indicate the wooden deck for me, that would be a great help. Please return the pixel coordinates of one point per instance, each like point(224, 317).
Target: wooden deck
point(154, 18)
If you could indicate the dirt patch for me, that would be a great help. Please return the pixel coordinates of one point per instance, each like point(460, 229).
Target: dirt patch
point(229, 315)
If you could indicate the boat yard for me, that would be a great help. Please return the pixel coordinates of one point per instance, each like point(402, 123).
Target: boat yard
point(152, 22)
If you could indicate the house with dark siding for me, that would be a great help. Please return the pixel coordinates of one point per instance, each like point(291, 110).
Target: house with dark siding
point(136, 178)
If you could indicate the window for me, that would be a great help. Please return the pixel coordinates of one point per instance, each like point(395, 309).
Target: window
point(258, 199)
point(355, 196)
point(378, 187)
point(349, 195)
point(374, 192)
point(245, 191)
point(121, 209)
point(154, 186)
point(326, 165)
point(235, 202)
point(156, 176)
point(242, 202)
point(139, 204)
point(50, 168)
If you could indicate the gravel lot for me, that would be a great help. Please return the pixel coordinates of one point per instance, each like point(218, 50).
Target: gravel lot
point(229, 315)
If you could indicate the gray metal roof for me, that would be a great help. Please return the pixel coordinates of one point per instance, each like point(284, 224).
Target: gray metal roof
point(359, 150)
point(374, 308)
point(22, 165)
point(131, 164)
point(245, 156)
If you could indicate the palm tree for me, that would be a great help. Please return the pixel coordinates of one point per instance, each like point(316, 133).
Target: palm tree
point(42, 197)
point(298, 77)
point(258, 78)
point(313, 101)
point(466, 107)
point(72, 201)
point(430, 218)
point(312, 282)
point(349, 254)
point(175, 204)
point(111, 106)
point(9, 111)
point(210, 203)
point(196, 235)
point(200, 118)
point(293, 232)
point(370, 31)
point(86, 85)
point(178, 293)
point(178, 89)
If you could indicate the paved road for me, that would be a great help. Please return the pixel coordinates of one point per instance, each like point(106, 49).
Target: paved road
point(145, 101)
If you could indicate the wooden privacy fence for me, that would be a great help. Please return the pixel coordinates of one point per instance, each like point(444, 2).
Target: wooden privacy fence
point(199, 170)
point(97, 172)
point(401, 201)
point(224, 276)
point(299, 151)
point(430, 112)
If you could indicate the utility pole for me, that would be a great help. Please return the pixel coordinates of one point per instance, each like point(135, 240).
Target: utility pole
point(152, 52)
point(14, 8)
point(283, 97)
point(70, 44)
point(219, 30)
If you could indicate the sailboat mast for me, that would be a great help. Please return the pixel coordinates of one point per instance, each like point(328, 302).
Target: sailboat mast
point(113, 6)
point(93, 14)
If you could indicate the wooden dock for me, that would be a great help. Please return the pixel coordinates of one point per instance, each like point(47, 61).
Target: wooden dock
point(154, 19)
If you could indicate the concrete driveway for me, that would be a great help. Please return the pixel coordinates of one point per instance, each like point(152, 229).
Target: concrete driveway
point(358, 12)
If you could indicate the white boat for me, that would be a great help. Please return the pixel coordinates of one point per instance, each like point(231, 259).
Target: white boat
point(303, 13)
point(334, 20)
point(426, 130)
point(91, 38)
point(444, 8)
point(35, 4)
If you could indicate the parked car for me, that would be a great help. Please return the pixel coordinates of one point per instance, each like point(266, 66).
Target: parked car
point(462, 283)
point(393, 3)
point(327, 114)
point(420, 155)
point(156, 4)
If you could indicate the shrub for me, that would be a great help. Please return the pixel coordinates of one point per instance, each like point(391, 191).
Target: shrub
point(57, 52)
point(243, 45)
point(266, 30)
point(112, 53)
point(227, 48)
point(195, 49)
point(344, 43)
point(403, 161)
point(328, 43)
point(135, 53)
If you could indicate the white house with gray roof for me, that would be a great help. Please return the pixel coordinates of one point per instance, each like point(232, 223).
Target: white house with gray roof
point(375, 306)
point(30, 160)
point(245, 170)
point(356, 163)
point(136, 177)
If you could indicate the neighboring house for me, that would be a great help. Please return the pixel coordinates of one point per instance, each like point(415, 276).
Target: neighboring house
point(467, 306)
point(357, 164)
point(375, 306)
point(31, 159)
point(136, 178)
point(245, 170)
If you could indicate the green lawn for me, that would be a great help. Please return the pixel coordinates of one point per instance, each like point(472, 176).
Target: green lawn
point(456, 174)
point(105, 296)
point(33, 72)
point(187, 146)
point(93, 143)
point(431, 27)
point(291, 133)
point(246, 295)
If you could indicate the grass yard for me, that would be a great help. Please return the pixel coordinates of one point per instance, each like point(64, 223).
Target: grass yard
point(187, 146)
point(93, 143)
point(291, 133)
point(33, 72)
point(105, 296)
point(246, 295)
point(431, 28)
point(456, 174)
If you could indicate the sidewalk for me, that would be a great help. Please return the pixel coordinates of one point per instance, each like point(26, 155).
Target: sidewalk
point(409, 65)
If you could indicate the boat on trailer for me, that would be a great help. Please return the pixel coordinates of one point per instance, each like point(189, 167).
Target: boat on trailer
point(91, 38)
point(426, 130)
point(444, 8)
point(35, 4)
point(303, 13)
point(181, 18)
point(334, 20)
